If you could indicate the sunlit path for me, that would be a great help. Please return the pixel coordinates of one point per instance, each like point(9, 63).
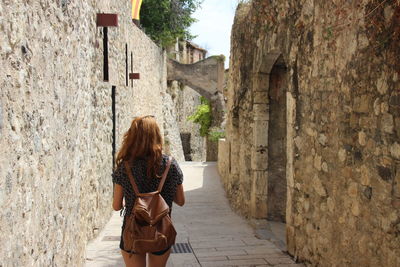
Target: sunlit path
point(206, 225)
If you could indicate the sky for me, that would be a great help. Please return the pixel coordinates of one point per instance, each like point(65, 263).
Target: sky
point(213, 28)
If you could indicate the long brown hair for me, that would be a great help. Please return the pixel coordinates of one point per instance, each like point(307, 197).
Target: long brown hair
point(142, 140)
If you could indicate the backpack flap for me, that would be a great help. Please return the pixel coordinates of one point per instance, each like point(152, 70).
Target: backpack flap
point(150, 208)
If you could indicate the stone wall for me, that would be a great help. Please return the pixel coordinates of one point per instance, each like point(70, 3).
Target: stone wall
point(56, 128)
point(186, 101)
point(340, 76)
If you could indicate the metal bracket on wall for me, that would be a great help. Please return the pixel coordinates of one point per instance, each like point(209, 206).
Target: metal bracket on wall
point(107, 20)
point(134, 76)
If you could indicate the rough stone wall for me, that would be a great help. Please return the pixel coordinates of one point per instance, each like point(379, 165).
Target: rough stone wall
point(172, 137)
point(343, 125)
point(236, 172)
point(186, 101)
point(56, 123)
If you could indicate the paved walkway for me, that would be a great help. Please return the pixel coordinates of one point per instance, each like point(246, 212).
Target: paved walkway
point(206, 225)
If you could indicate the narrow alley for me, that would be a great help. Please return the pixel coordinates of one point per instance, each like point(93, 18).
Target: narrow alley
point(206, 225)
point(284, 116)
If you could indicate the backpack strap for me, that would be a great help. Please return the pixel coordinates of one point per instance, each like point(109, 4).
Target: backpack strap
point(164, 176)
point(129, 172)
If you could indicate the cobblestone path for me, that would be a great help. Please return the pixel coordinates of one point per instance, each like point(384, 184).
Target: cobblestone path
point(206, 226)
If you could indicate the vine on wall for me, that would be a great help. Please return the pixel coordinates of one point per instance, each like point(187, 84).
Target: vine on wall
point(202, 116)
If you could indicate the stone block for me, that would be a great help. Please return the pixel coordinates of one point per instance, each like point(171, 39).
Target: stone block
point(318, 187)
point(318, 162)
point(365, 175)
point(362, 138)
point(259, 207)
point(324, 167)
point(259, 158)
point(311, 132)
point(388, 14)
point(260, 97)
point(362, 104)
point(377, 106)
point(384, 107)
point(342, 155)
point(395, 150)
point(261, 82)
point(322, 139)
point(387, 123)
point(352, 190)
point(261, 111)
point(260, 182)
point(381, 84)
point(299, 142)
point(260, 133)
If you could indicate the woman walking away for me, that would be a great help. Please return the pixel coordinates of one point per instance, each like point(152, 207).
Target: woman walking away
point(141, 153)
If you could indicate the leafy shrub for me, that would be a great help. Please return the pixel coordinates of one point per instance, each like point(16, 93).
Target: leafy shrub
point(202, 116)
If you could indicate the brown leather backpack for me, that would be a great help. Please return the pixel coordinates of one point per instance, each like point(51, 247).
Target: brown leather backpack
point(149, 227)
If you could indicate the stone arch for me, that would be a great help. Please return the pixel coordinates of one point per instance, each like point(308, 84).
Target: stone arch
point(206, 77)
point(269, 185)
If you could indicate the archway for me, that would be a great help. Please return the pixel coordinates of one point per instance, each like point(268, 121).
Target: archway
point(277, 137)
point(206, 77)
point(270, 159)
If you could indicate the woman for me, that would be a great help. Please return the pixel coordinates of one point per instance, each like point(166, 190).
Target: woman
point(142, 148)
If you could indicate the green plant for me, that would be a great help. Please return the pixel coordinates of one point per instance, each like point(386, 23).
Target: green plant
point(216, 135)
point(202, 116)
point(166, 20)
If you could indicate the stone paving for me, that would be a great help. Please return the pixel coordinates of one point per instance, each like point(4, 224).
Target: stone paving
point(216, 235)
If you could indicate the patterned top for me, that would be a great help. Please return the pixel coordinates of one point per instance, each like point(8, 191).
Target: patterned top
point(145, 184)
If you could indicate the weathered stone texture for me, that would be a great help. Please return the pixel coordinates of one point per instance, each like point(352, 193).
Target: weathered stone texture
point(342, 151)
point(56, 122)
point(186, 101)
point(172, 138)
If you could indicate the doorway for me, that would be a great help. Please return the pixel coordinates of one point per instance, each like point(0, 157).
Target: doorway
point(187, 150)
point(277, 155)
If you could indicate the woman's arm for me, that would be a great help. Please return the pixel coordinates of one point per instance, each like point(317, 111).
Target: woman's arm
point(118, 196)
point(179, 196)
